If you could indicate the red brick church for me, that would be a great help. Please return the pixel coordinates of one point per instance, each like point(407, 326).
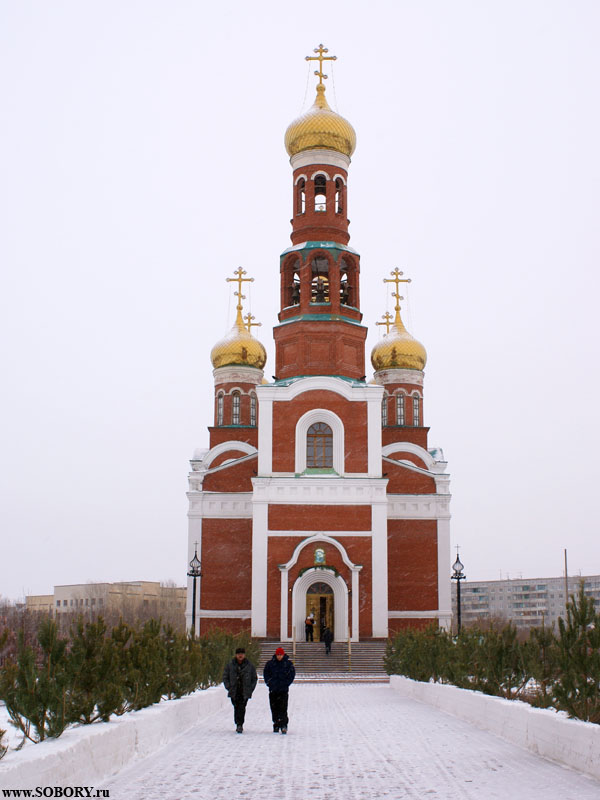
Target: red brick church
point(318, 493)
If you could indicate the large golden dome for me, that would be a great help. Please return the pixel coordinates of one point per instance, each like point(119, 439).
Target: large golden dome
point(320, 127)
point(398, 349)
point(239, 348)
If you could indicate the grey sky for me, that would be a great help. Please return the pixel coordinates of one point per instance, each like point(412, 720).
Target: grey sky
point(142, 160)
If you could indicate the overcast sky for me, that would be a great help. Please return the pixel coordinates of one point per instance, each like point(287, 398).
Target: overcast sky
point(142, 160)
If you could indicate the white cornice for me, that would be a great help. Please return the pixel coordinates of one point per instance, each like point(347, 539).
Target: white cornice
point(368, 392)
point(331, 157)
point(237, 375)
point(418, 506)
point(413, 377)
point(316, 490)
point(419, 614)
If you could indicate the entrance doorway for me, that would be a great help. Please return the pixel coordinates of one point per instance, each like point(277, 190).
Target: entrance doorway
point(319, 602)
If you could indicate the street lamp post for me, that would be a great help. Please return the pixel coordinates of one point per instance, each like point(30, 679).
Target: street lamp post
point(458, 576)
point(195, 572)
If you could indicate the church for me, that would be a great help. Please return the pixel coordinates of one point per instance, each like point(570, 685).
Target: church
point(318, 493)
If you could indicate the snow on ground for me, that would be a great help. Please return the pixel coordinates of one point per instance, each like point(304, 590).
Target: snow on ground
point(346, 742)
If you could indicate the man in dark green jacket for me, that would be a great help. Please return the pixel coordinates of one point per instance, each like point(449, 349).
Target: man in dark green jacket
point(239, 677)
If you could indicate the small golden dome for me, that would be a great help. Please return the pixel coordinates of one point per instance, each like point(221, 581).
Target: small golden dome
point(239, 348)
point(398, 350)
point(320, 127)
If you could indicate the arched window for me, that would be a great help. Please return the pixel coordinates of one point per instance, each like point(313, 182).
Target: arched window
point(320, 193)
point(416, 410)
point(319, 445)
point(320, 280)
point(400, 412)
point(339, 196)
point(384, 410)
point(253, 410)
point(301, 198)
point(219, 409)
point(296, 289)
point(235, 408)
point(346, 284)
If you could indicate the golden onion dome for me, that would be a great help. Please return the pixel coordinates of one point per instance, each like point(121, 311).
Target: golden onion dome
point(239, 348)
point(320, 127)
point(398, 349)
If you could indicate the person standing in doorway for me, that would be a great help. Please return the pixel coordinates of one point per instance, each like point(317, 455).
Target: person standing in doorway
point(309, 624)
point(240, 678)
point(328, 639)
point(279, 674)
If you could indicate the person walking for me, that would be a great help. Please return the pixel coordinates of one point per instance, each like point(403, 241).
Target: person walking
point(328, 639)
point(240, 678)
point(279, 674)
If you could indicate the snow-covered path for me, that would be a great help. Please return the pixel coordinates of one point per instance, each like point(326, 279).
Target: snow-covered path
point(346, 742)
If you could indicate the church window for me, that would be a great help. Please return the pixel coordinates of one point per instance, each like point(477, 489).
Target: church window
point(301, 200)
point(219, 409)
point(235, 408)
point(400, 419)
point(320, 193)
point(320, 280)
point(384, 411)
point(346, 284)
point(319, 445)
point(416, 410)
point(253, 410)
point(339, 202)
point(296, 289)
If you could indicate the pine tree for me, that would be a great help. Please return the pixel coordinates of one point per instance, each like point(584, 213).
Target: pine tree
point(35, 689)
point(578, 688)
point(86, 670)
point(542, 661)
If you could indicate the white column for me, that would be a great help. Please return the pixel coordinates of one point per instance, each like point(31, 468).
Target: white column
point(194, 535)
point(259, 567)
point(380, 569)
point(283, 634)
point(265, 435)
point(355, 590)
point(444, 559)
point(374, 432)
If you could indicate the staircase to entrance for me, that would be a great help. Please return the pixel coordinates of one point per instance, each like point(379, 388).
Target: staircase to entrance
point(363, 662)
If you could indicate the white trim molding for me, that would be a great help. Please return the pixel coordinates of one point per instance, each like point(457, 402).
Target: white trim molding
point(226, 614)
point(300, 177)
point(337, 428)
point(332, 158)
point(225, 447)
point(320, 172)
point(434, 613)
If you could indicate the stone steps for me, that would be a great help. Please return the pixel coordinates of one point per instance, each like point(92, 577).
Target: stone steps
point(366, 658)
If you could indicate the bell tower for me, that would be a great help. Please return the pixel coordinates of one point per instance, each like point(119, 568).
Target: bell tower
point(320, 331)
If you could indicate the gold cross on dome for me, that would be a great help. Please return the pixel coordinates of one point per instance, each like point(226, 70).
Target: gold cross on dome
point(320, 58)
point(387, 321)
point(249, 324)
point(239, 280)
point(396, 273)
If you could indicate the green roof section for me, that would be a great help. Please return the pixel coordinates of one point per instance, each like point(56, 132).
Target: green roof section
point(297, 248)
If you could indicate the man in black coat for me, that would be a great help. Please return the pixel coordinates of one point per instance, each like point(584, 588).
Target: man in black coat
point(240, 678)
point(279, 673)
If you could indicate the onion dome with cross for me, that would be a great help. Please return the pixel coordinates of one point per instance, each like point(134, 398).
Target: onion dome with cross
point(239, 347)
point(320, 127)
point(398, 349)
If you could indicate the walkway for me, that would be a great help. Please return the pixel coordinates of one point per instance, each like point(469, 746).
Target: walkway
point(346, 742)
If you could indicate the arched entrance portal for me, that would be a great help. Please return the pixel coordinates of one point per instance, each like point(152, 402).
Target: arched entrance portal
point(329, 586)
point(320, 603)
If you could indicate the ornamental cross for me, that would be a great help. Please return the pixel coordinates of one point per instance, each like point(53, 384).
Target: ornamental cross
point(320, 58)
point(396, 273)
point(249, 324)
point(239, 280)
point(387, 321)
